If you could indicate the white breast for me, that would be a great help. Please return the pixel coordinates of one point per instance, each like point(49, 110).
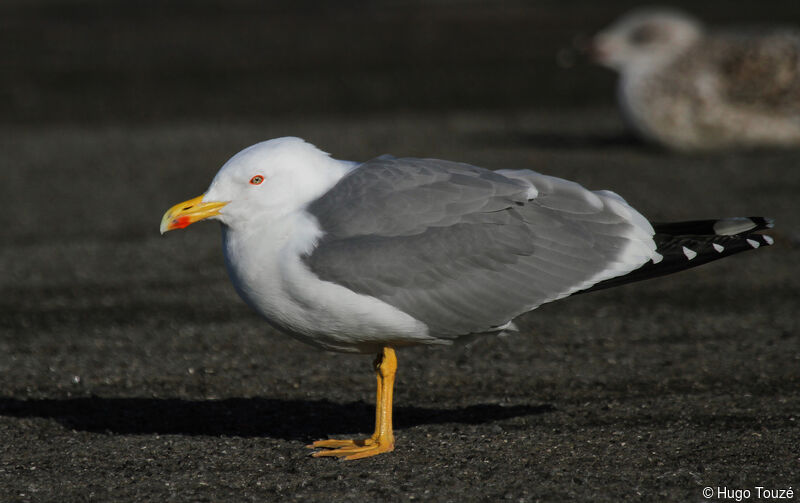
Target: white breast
point(266, 267)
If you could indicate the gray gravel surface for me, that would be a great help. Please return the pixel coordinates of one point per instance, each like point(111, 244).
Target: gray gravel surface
point(130, 371)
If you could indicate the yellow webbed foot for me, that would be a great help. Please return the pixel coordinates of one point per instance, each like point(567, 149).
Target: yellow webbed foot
point(332, 443)
point(383, 438)
point(353, 449)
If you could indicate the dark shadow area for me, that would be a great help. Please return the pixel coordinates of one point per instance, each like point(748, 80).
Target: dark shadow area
point(559, 141)
point(243, 417)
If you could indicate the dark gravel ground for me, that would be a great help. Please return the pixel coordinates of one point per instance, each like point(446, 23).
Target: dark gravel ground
point(130, 371)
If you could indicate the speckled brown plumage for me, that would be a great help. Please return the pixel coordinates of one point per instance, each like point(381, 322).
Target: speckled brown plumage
point(694, 89)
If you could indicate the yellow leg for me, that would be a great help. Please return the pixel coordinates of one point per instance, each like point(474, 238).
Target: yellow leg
point(383, 438)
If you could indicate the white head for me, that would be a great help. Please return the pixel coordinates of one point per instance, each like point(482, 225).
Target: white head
point(646, 38)
point(267, 180)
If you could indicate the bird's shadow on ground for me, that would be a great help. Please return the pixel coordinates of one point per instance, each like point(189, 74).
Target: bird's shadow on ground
point(245, 417)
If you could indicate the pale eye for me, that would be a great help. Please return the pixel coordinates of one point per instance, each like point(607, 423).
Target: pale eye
point(256, 179)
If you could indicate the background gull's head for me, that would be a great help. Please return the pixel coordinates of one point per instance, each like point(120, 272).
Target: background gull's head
point(645, 38)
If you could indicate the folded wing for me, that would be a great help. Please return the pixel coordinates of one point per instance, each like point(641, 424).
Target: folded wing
point(464, 249)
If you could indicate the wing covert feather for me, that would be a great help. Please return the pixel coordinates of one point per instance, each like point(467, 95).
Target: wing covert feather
point(464, 249)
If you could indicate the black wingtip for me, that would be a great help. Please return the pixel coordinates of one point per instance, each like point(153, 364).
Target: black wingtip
point(683, 245)
point(741, 225)
point(730, 226)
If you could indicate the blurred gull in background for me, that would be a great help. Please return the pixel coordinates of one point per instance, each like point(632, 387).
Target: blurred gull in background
point(692, 89)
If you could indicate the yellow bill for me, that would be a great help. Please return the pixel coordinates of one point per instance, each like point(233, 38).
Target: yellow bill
point(188, 212)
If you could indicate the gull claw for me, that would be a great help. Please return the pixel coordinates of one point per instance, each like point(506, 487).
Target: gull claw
point(352, 449)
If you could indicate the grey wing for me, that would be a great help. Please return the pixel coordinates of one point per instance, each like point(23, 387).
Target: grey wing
point(465, 250)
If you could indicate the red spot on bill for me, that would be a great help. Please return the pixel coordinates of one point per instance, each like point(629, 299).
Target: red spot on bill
point(181, 222)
